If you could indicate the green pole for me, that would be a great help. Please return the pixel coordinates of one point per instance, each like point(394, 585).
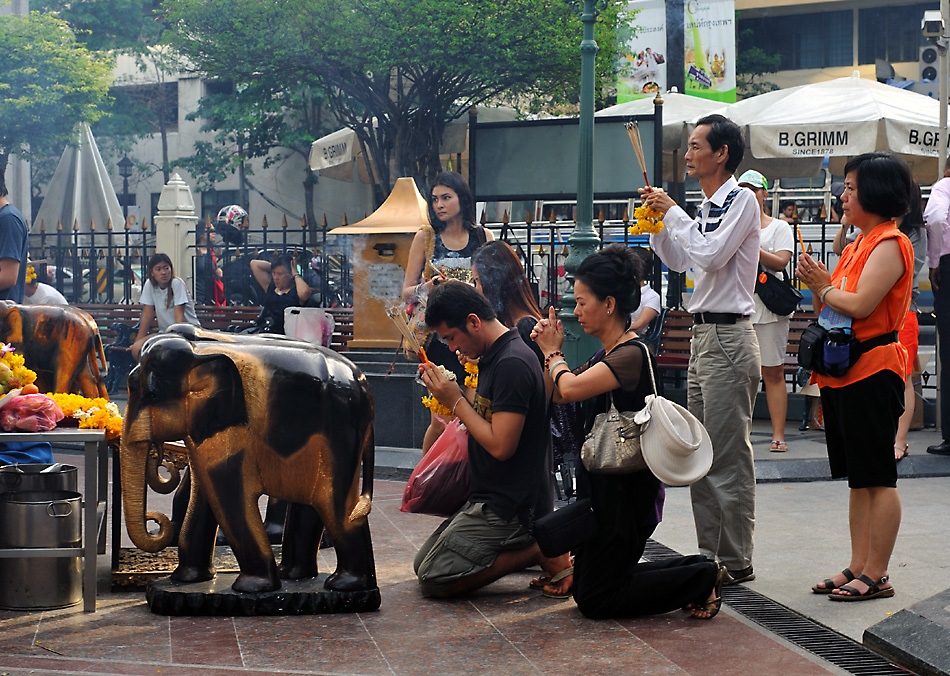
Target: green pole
point(578, 346)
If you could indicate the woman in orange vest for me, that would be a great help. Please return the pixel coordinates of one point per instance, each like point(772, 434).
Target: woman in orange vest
point(870, 290)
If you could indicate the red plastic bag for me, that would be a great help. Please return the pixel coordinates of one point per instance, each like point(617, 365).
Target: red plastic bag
point(439, 485)
point(30, 413)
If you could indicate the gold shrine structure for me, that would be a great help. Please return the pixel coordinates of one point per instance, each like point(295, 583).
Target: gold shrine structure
point(381, 244)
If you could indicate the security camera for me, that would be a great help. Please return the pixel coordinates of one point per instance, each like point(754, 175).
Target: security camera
point(932, 24)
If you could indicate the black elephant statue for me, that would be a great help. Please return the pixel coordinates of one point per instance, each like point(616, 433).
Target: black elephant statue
point(258, 415)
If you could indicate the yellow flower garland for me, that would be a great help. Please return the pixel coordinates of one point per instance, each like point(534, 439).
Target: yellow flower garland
point(30, 274)
point(471, 380)
point(436, 406)
point(21, 374)
point(647, 221)
point(97, 413)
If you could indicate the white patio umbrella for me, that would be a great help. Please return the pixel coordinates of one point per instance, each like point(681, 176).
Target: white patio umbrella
point(678, 109)
point(839, 119)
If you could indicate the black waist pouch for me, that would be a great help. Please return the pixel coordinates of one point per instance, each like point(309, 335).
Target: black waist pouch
point(832, 352)
point(562, 530)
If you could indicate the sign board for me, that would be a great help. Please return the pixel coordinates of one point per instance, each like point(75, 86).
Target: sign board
point(538, 159)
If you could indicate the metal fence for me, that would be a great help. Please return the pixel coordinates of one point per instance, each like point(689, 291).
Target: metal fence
point(108, 265)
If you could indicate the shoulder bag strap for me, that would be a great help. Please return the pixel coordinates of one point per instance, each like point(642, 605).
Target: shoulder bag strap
point(646, 355)
point(428, 270)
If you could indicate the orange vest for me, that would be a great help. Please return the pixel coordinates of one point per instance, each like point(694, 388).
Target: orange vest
point(887, 316)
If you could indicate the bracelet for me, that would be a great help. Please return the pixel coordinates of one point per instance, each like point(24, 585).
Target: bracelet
point(823, 293)
point(456, 404)
point(555, 365)
point(558, 376)
point(547, 360)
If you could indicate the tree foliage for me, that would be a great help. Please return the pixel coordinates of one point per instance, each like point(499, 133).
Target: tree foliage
point(752, 64)
point(127, 25)
point(395, 71)
point(49, 82)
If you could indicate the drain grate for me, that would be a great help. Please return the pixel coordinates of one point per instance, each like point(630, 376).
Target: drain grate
point(797, 629)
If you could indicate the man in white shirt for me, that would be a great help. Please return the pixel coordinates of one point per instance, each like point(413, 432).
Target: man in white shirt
point(38, 293)
point(722, 247)
point(938, 260)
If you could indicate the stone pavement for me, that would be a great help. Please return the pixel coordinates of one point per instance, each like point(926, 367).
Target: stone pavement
point(801, 537)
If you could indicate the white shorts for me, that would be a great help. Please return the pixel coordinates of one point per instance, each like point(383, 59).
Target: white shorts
point(773, 341)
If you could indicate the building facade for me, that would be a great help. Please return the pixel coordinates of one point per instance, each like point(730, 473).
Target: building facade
point(831, 39)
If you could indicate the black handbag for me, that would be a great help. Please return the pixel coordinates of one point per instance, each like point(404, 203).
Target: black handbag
point(778, 295)
point(562, 530)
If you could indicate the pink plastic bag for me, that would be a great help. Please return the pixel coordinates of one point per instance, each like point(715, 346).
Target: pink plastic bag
point(30, 413)
point(439, 485)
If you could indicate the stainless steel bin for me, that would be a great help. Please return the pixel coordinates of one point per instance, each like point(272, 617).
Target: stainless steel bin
point(45, 519)
point(39, 477)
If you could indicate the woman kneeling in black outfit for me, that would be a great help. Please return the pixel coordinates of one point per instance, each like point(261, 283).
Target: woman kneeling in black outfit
point(609, 581)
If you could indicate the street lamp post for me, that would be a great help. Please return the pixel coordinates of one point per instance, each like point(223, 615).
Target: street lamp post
point(583, 240)
point(125, 170)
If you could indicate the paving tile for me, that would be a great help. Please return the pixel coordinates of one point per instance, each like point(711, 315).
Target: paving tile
point(724, 646)
point(121, 632)
point(204, 640)
point(323, 655)
point(464, 654)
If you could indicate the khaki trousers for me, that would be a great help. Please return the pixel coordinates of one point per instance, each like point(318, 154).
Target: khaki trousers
point(723, 376)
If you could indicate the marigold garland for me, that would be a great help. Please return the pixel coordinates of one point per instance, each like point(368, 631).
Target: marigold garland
point(30, 274)
point(20, 375)
point(97, 413)
point(436, 406)
point(471, 380)
point(647, 221)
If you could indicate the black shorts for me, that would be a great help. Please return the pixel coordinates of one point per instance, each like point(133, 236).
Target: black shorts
point(860, 427)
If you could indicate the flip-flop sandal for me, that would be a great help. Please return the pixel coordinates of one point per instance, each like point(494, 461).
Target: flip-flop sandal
point(540, 582)
point(830, 584)
point(778, 446)
point(875, 591)
point(715, 605)
point(549, 593)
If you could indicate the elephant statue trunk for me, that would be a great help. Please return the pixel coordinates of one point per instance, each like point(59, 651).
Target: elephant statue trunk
point(135, 448)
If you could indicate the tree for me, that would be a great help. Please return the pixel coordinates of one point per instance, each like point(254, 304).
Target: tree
point(131, 27)
point(753, 62)
point(126, 25)
point(49, 83)
point(395, 71)
point(263, 119)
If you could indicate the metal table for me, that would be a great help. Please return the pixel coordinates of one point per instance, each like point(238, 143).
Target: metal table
point(96, 481)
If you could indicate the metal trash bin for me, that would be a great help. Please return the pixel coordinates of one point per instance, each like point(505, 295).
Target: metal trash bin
point(39, 477)
point(30, 519)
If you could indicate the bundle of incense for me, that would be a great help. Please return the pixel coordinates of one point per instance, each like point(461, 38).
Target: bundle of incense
point(800, 240)
point(633, 131)
point(402, 323)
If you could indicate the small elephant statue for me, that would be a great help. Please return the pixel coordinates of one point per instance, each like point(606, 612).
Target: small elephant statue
point(258, 415)
point(60, 343)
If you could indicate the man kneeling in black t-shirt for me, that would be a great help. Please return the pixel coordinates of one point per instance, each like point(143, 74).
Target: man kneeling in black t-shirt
point(508, 437)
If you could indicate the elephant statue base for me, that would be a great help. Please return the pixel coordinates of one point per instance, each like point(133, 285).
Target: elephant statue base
point(216, 597)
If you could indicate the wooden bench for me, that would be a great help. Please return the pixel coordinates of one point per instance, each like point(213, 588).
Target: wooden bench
point(677, 332)
point(118, 325)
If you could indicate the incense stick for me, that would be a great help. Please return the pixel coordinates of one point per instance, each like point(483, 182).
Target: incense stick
point(633, 131)
point(800, 240)
point(402, 323)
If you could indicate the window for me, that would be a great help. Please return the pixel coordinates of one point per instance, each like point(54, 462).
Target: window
point(891, 33)
point(815, 40)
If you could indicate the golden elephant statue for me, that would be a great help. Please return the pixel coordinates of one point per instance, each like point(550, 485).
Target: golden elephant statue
point(258, 416)
point(60, 343)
